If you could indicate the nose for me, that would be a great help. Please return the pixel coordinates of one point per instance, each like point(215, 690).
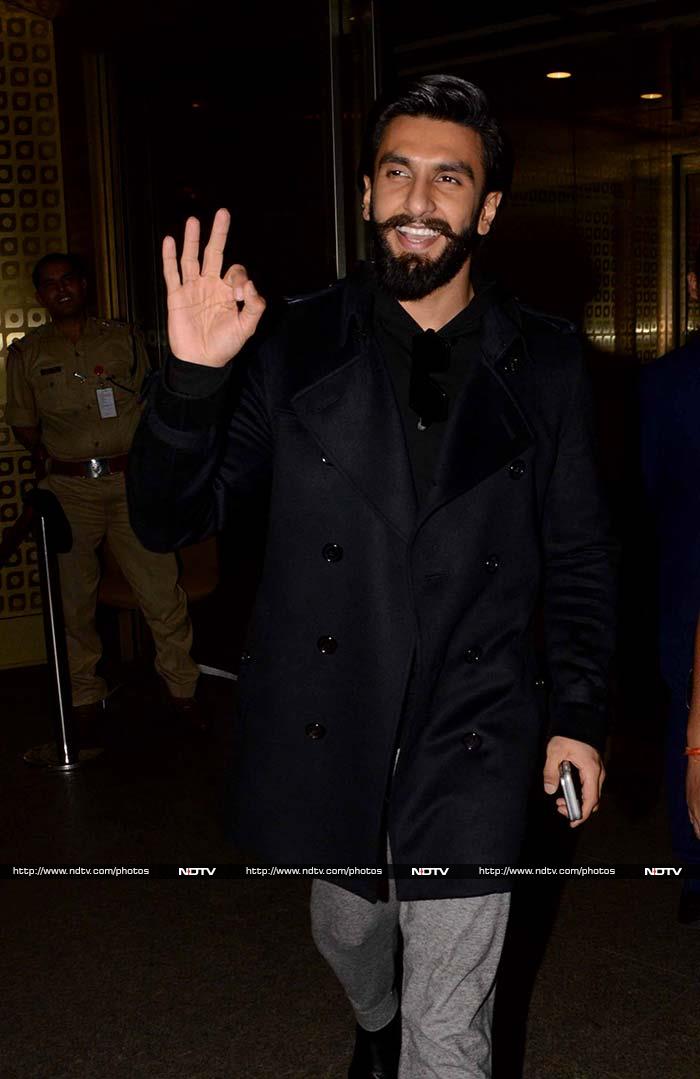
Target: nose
point(419, 197)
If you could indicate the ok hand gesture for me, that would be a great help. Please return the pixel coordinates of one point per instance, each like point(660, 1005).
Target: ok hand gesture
point(210, 317)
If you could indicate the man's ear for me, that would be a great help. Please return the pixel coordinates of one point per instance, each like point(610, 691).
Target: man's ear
point(488, 211)
point(693, 286)
point(366, 197)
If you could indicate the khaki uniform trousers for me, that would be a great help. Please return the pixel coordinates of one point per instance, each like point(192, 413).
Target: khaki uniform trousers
point(97, 509)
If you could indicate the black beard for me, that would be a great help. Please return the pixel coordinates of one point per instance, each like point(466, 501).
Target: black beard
point(412, 277)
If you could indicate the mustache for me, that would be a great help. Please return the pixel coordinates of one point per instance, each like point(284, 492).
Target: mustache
point(434, 223)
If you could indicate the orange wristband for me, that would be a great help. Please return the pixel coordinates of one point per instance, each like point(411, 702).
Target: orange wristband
point(692, 751)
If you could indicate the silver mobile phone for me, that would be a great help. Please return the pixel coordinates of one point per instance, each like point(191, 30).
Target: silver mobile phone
point(568, 787)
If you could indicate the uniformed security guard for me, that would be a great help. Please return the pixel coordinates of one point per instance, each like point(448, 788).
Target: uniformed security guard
point(73, 401)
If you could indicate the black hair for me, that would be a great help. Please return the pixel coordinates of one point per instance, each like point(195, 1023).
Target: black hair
point(74, 261)
point(443, 97)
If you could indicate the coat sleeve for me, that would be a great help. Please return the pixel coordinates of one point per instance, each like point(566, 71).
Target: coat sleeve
point(192, 453)
point(579, 578)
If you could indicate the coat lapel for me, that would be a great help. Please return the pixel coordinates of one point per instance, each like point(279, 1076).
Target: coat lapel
point(353, 415)
point(487, 427)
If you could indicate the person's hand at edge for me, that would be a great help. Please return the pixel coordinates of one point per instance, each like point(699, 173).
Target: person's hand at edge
point(692, 779)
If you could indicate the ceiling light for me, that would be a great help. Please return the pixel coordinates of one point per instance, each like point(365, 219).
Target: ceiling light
point(558, 74)
point(651, 96)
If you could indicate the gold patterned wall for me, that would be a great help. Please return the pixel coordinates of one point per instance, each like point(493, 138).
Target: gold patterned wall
point(31, 223)
point(597, 230)
point(692, 239)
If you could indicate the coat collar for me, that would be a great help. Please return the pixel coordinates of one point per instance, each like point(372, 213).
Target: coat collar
point(487, 427)
point(351, 410)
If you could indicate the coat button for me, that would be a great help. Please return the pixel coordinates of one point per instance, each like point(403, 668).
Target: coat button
point(245, 657)
point(471, 742)
point(492, 564)
point(327, 645)
point(473, 654)
point(540, 683)
point(315, 731)
point(511, 365)
point(325, 461)
point(516, 469)
point(332, 552)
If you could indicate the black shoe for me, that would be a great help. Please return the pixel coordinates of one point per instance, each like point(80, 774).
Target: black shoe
point(689, 907)
point(377, 1052)
point(193, 716)
point(88, 724)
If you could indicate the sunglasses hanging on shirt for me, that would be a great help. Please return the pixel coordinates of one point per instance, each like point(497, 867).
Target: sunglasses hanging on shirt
point(430, 353)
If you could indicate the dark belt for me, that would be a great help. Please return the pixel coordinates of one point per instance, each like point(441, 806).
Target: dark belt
point(92, 469)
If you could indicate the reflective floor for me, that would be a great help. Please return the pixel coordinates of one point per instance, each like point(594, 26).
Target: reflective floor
point(206, 979)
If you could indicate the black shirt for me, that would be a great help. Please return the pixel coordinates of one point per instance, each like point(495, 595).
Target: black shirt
point(394, 331)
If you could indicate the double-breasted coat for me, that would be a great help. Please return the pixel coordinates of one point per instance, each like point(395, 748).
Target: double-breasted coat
point(362, 593)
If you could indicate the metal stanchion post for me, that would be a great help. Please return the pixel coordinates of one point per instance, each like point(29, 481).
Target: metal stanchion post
point(52, 534)
point(54, 629)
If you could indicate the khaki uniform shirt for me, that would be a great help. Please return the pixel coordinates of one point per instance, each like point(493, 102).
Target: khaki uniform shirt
point(52, 383)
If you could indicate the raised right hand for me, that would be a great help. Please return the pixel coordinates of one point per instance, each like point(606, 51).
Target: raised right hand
point(205, 324)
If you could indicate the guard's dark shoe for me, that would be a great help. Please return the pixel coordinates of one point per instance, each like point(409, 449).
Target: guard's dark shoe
point(191, 712)
point(377, 1052)
point(689, 907)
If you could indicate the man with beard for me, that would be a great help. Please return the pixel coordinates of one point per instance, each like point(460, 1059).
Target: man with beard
point(428, 456)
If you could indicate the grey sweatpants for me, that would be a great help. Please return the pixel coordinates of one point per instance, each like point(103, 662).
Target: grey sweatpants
point(451, 949)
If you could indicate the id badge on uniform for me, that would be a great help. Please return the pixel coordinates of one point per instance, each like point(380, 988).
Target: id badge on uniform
point(106, 403)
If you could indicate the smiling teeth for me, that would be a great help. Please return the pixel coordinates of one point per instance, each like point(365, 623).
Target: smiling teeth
point(411, 230)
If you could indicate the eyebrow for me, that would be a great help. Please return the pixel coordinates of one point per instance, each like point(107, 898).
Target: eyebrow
point(444, 166)
point(58, 277)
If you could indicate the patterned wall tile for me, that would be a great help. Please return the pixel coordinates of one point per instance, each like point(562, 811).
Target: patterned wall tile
point(31, 223)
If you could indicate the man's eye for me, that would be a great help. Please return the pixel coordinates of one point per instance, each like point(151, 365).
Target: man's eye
point(396, 172)
point(449, 180)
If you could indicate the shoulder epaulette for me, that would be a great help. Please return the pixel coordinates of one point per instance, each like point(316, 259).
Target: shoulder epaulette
point(31, 335)
point(114, 324)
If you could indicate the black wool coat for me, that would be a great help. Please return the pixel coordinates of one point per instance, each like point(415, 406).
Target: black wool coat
point(359, 589)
